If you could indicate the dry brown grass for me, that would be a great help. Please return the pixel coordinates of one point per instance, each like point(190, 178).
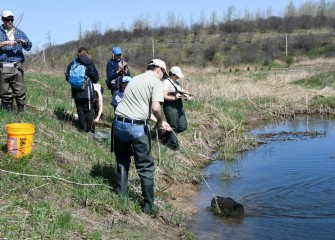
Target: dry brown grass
point(276, 83)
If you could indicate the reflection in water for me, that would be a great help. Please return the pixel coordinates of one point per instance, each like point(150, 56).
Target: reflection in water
point(287, 188)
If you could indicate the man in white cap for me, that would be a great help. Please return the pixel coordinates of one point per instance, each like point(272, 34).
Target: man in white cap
point(12, 42)
point(131, 136)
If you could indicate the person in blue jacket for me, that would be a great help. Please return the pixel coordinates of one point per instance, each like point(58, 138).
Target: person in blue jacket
point(116, 68)
point(84, 98)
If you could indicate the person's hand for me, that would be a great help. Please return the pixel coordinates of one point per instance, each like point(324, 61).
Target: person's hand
point(163, 126)
point(178, 96)
point(97, 120)
point(10, 42)
point(21, 41)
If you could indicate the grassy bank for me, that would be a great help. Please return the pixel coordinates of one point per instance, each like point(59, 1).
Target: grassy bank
point(67, 191)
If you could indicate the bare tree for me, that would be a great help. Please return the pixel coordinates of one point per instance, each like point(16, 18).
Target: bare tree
point(290, 10)
point(171, 20)
point(308, 8)
point(213, 22)
point(230, 14)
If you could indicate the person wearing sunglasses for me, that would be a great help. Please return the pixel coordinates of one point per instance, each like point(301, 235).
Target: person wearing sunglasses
point(131, 135)
point(12, 43)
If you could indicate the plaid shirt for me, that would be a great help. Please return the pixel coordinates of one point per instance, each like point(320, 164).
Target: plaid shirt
point(13, 53)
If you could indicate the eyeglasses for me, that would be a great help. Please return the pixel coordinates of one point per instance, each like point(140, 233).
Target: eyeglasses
point(163, 71)
point(9, 19)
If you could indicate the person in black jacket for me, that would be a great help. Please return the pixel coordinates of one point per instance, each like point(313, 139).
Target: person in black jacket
point(84, 98)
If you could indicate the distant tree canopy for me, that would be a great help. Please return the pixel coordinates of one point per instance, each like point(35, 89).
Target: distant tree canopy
point(252, 39)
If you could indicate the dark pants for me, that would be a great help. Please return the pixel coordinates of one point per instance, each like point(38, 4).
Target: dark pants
point(134, 139)
point(175, 116)
point(131, 139)
point(85, 114)
point(12, 86)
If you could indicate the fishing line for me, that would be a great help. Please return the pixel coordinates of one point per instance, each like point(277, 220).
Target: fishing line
point(188, 155)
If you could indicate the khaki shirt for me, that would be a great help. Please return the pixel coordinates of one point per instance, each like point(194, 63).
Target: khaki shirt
point(140, 92)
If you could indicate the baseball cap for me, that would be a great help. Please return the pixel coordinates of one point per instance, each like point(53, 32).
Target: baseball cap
point(7, 13)
point(116, 51)
point(126, 79)
point(176, 70)
point(159, 63)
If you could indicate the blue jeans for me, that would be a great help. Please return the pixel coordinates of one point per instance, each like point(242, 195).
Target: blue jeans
point(134, 139)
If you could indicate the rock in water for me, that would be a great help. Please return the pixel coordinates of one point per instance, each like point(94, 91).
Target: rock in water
point(227, 206)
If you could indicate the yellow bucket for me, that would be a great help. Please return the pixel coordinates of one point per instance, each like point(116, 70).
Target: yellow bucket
point(20, 139)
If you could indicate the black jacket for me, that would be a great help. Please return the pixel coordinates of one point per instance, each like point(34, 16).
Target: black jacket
point(91, 72)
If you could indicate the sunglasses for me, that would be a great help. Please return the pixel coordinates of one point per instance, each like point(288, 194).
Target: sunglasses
point(9, 19)
point(163, 71)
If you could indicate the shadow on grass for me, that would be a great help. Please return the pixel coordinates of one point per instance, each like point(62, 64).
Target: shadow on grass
point(107, 172)
point(66, 116)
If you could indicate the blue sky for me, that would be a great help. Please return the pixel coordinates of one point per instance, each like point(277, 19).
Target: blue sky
point(59, 21)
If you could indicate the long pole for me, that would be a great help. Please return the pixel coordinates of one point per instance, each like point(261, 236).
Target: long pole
point(286, 45)
point(153, 48)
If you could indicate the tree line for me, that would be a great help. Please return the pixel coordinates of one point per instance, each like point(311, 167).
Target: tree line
point(261, 38)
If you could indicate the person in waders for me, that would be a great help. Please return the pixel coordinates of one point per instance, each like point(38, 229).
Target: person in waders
point(173, 108)
point(12, 43)
point(83, 98)
point(130, 130)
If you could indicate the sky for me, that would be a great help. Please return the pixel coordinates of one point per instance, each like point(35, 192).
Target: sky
point(61, 21)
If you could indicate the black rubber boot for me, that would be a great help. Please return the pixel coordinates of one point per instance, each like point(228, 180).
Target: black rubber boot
point(20, 108)
point(148, 196)
point(172, 141)
point(122, 180)
point(8, 107)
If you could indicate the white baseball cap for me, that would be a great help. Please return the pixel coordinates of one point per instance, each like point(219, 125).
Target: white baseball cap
point(7, 13)
point(158, 63)
point(176, 70)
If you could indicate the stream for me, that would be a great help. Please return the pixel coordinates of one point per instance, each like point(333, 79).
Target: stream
point(286, 185)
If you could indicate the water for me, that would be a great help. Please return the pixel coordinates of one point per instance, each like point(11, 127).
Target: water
point(287, 187)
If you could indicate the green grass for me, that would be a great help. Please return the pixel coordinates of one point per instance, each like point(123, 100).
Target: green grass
point(51, 208)
point(318, 81)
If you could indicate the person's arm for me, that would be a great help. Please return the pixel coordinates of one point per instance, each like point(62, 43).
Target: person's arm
point(21, 38)
point(111, 70)
point(168, 97)
point(100, 102)
point(93, 73)
point(8, 42)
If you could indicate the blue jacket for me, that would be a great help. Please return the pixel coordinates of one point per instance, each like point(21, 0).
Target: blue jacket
point(13, 53)
point(91, 72)
point(111, 72)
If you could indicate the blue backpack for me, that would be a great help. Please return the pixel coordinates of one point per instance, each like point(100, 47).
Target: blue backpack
point(77, 76)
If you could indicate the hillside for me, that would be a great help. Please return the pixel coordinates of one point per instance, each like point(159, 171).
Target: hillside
point(65, 188)
point(229, 44)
